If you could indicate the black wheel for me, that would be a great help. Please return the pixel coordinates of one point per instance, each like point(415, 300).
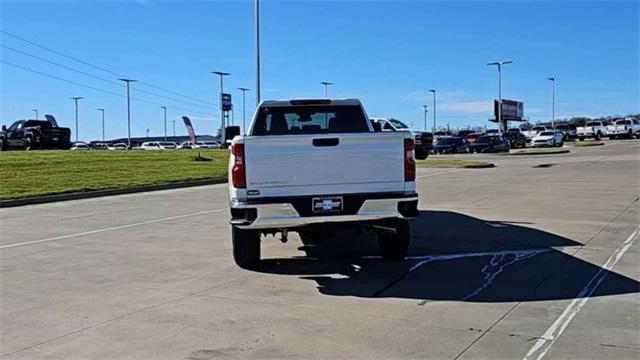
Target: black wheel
point(3, 144)
point(422, 155)
point(581, 138)
point(28, 144)
point(630, 134)
point(612, 137)
point(598, 136)
point(395, 245)
point(246, 247)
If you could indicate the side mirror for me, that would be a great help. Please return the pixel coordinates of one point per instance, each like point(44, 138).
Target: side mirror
point(4, 127)
point(376, 126)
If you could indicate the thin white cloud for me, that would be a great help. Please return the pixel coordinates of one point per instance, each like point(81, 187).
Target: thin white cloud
point(468, 107)
point(202, 118)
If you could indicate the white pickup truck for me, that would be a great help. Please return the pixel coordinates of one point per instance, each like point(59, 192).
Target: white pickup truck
point(315, 167)
point(592, 129)
point(534, 131)
point(423, 140)
point(624, 128)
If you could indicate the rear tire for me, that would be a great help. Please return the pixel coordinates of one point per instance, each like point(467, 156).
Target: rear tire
point(422, 155)
point(246, 247)
point(28, 144)
point(581, 138)
point(598, 136)
point(395, 246)
point(3, 144)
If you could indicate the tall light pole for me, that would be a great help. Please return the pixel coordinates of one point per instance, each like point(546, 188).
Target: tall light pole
point(165, 122)
point(174, 127)
point(244, 105)
point(128, 81)
point(256, 16)
point(75, 99)
point(326, 84)
point(434, 109)
point(36, 111)
point(425, 116)
point(553, 100)
point(222, 75)
point(499, 66)
point(102, 111)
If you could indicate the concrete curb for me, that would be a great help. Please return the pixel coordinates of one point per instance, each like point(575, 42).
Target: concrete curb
point(107, 192)
point(563, 151)
point(586, 144)
point(479, 166)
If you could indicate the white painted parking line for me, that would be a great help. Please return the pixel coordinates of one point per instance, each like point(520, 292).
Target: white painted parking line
point(63, 237)
point(540, 348)
point(440, 173)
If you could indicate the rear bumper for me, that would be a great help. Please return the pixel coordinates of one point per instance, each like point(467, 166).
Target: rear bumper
point(618, 132)
point(282, 213)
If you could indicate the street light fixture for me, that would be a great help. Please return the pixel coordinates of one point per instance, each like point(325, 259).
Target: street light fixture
point(36, 111)
point(244, 90)
point(553, 100)
point(222, 75)
point(75, 99)
point(326, 84)
point(434, 109)
point(102, 110)
point(165, 122)
point(425, 116)
point(499, 64)
point(128, 81)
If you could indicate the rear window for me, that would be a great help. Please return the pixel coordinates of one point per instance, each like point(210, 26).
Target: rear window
point(593, 124)
point(290, 120)
point(447, 141)
point(31, 123)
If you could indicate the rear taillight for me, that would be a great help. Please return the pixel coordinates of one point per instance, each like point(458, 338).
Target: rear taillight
point(409, 160)
point(238, 178)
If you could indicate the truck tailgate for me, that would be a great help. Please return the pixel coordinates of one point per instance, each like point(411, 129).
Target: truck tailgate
point(300, 165)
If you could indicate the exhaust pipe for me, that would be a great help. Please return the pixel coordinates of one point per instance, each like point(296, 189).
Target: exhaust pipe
point(395, 229)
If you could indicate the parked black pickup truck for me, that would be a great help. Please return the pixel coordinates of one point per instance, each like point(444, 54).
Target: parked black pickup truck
point(34, 134)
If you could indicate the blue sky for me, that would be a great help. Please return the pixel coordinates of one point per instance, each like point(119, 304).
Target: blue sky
point(387, 53)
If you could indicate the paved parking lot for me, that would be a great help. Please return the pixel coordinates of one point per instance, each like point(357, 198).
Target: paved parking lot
point(536, 257)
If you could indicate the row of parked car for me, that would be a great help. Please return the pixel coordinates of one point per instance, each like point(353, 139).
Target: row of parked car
point(149, 145)
point(468, 141)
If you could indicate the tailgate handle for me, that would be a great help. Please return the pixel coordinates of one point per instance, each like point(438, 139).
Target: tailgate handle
point(326, 142)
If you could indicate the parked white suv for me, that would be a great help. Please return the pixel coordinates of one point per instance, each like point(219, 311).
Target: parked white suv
point(624, 128)
point(314, 167)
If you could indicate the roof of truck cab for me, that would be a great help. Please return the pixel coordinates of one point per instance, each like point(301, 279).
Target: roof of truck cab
point(271, 103)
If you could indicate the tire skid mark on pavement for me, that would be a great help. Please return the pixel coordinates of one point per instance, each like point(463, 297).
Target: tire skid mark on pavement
point(498, 262)
point(113, 228)
point(544, 343)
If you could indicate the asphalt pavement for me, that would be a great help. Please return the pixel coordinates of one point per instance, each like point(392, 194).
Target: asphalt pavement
point(536, 258)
